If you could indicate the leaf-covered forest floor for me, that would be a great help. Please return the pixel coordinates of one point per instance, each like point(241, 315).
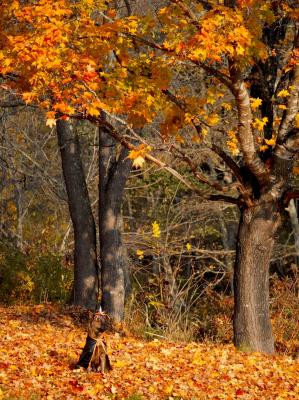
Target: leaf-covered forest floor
point(39, 346)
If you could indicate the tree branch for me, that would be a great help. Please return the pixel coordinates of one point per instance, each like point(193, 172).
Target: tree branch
point(199, 176)
point(236, 171)
point(166, 167)
point(223, 78)
point(292, 107)
point(128, 6)
point(189, 13)
point(206, 4)
point(229, 162)
point(245, 134)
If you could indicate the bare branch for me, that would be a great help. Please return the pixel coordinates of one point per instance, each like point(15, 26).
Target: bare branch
point(128, 6)
point(166, 167)
point(229, 162)
point(292, 107)
point(186, 10)
point(194, 169)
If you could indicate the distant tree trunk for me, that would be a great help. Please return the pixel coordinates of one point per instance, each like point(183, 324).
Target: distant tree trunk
point(19, 204)
point(85, 290)
point(252, 325)
point(113, 174)
point(292, 210)
point(228, 244)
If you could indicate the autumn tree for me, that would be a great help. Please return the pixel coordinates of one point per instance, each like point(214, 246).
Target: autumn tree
point(237, 46)
point(250, 51)
point(111, 185)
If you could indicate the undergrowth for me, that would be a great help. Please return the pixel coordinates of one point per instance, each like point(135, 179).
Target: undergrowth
point(210, 319)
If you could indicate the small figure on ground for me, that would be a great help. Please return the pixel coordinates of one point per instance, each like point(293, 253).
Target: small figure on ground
point(94, 354)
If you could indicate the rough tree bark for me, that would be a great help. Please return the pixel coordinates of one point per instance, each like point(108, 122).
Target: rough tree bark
point(86, 280)
point(113, 174)
point(256, 236)
point(252, 326)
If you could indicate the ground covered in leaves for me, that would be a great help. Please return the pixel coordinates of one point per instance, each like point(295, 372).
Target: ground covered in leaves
point(40, 344)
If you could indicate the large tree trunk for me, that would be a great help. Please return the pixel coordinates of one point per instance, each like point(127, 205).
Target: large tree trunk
point(252, 325)
point(85, 289)
point(113, 174)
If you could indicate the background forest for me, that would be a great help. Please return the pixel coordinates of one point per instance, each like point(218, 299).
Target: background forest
point(179, 249)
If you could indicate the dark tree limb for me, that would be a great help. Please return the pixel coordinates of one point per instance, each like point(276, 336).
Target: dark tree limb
point(289, 195)
point(229, 162)
point(194, 169)
point(206, 4)
point(237, 173)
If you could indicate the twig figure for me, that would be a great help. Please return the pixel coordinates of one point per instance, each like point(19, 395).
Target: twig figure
point(94, 354)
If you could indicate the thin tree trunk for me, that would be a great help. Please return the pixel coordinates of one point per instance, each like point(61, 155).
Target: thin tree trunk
point(85, 289)
point(19, 204)
point(292, 210)
point(113, 174)
point(252, 325)
point(227, 245)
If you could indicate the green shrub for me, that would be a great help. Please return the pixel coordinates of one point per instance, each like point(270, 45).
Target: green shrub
point(52, 280)
point(32, 277)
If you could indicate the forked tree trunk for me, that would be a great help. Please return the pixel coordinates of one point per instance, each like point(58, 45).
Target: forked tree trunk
point(85, 289)
point(113, 174)
point(252, 325)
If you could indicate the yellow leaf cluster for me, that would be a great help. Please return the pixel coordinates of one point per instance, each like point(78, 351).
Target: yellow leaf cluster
point(283, 93)
point(255, 103)
point(267, 143)
point(50, 122)
point(226, 106)
point(156, 232)
point(140, 254)
point(213, 119)
point(271, 142)
point(259, 123)
point(263, 147)
point(232, 143)
point(138, 155)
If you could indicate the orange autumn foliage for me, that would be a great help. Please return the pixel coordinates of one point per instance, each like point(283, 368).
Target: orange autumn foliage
point(39, 346)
